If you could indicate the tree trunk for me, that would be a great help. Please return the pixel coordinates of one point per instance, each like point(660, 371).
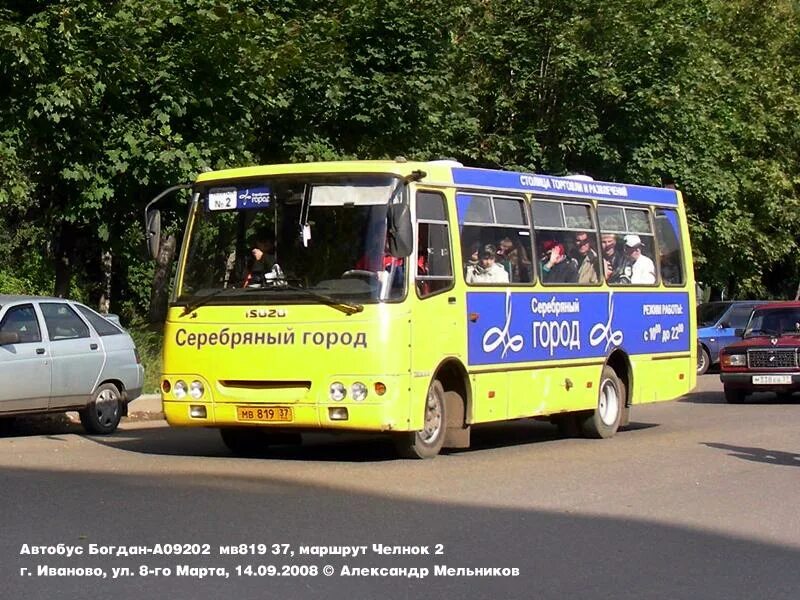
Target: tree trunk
point(65, 252)
point(159, 294)
point(105, 299)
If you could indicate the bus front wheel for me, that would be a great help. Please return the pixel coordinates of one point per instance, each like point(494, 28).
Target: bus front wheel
point(604, 420)
point(428, 442)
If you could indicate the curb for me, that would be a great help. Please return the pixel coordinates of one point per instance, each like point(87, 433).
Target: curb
point(146, 407)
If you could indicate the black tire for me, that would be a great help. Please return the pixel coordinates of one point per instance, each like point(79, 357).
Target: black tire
point(428, 442)
point(245, 441)
point(734, 396)
point(604, 420)
point(104, 411)
point(703, 361)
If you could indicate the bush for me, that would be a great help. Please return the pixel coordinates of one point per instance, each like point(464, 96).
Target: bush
point(148, 342)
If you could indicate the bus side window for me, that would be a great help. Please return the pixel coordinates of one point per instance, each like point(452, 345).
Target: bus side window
point(669, 247)
point(498, 225)
point(434, 264)
point(627, 245)
point(567, 246)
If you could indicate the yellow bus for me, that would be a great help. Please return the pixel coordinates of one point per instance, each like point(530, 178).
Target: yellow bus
point(421, 298)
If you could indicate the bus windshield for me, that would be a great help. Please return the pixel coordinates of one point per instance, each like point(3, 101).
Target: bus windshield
point(293, 239)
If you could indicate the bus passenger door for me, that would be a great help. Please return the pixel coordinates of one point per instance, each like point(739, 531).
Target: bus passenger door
point(435, 330)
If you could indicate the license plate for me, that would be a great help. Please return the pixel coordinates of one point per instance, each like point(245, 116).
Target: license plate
point(264, 413)
point(771, 379)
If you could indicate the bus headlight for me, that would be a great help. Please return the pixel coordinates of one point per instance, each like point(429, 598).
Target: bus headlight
point(358, 391)
point(196, 390)
point(337, 392)
point(180, 390)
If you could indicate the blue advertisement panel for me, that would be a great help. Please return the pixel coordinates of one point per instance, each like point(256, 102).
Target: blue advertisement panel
point(511, 327)
point(254, 197)
point(565, 186)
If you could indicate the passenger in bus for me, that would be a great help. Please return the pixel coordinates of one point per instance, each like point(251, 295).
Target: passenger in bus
point(557, 267)
point(670, 268)
point(587, 259)
point(512, 257)
point(616, 265)
point(381, 262)
point(472, 256)
point(643, 271)
point(262, 259)
point(487, 270)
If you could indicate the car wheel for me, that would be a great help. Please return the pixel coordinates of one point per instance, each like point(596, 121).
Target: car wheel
point(428, 442)
point(604, 420)
point(102, 414)
point(703, 361)
point(734, 396)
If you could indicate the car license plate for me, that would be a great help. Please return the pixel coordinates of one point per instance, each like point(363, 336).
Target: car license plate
point(771, 379)
point(264, 413)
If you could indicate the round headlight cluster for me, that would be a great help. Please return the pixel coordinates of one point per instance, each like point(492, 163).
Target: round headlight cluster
point(180, 390)
point(196, 390)
point(337, 392)
point(358, 391)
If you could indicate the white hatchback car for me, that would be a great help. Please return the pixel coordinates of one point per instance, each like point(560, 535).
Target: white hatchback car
point(58, 355)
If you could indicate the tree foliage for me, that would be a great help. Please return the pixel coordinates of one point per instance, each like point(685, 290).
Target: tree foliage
point(102, 104)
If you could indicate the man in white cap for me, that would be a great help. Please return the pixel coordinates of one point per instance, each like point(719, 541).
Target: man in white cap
point(643, 271)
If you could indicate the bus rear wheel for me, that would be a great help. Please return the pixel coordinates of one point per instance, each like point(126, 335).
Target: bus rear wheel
point(604, 420)
point(428, 442)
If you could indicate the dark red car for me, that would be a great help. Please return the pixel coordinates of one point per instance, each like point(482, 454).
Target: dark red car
point(766, 358)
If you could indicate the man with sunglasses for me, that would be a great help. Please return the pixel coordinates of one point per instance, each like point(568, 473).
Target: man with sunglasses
point(587, 259)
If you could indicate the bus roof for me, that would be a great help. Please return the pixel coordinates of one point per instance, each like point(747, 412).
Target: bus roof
point(447, 172)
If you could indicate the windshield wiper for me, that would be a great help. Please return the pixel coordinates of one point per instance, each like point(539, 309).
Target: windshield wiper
point(345, 307)
point(192, 306)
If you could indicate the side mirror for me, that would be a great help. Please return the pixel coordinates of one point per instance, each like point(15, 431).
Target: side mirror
point(9, 337)
point(153, 232)
point(401, 233)
point(723, 325)
point(738, 332)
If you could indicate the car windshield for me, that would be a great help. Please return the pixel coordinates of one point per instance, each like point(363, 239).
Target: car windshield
point(710, 312)
point(303, 238)
point(774, 322)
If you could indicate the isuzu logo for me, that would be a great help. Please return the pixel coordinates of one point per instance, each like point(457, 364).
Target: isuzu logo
point(264, 313)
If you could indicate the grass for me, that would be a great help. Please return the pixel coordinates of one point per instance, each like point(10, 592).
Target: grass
point(148, 342)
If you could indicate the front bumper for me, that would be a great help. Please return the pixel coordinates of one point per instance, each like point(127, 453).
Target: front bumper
point(305, 417)
point(744, 381)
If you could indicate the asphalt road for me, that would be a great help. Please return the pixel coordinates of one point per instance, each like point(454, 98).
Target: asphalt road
point(697, 499)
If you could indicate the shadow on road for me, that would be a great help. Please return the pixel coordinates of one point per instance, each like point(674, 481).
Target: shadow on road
point(559, 555)
point(332, 447)
point(762, 455)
